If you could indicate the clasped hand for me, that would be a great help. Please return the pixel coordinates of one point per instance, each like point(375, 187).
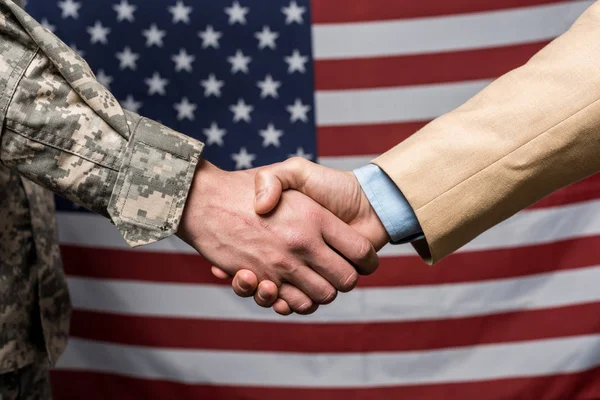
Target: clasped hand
point(290, 249)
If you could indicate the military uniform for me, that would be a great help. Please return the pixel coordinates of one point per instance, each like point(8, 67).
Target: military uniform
point(63, 131)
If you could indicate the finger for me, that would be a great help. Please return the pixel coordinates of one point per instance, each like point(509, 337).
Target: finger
point(350, 244)
point(314, 285)
point(334, 268)
point(281, 307)
point(271, 181)
point(296, 300)
point(266, 294)
point(219, 273)
point(244, 283)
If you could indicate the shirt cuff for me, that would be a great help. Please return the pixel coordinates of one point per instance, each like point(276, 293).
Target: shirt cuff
point(390, 205)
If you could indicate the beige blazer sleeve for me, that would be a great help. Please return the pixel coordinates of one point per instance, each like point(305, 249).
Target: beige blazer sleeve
point(528, 134)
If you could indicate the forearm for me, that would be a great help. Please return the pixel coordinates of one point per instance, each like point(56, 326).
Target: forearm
point(66, 132)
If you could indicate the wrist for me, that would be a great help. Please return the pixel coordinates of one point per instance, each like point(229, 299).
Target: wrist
point(203, 190)
point(379, 234)
point(375, 231)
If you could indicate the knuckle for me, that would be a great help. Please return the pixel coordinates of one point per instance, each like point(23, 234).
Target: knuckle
point(260, 174)
point(304, 307)
point(364, 249)
point(349, 282)
point(297, 241)
point(327, 296)
point(287, 266)
point(265, 302)
point(241, 292)
point(296, 162)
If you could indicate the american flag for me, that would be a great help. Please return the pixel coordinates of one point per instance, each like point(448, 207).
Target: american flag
point(515, 314)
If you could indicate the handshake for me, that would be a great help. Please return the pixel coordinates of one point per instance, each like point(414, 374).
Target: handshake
point(290, 249)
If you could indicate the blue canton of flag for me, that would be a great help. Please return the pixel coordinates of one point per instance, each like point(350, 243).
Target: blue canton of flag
point(237, 75)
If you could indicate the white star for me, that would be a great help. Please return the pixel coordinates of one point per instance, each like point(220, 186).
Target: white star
point(293, 13)
point(69, 8)
point(183, 61)
point(210, 37)
point(241, 111)
point(131, 105)
point(154, 36)
point(214, 135)
point(185, 109)
point(239, 62)
point(237, 13)
point(124, 11)
point(181, 12)
point(296, 62)
point(300, 153)
point(243, 159)
point(127, 59)
point(271, 136)
point(266, 38)
point(104, 79)
point(298, 111)
point(98, 33)
point(46, 24)
point(212, 86)
point(269, 87)
point(156, 84)
point(80, 53)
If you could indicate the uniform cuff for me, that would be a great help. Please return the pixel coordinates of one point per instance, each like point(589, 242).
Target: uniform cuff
point(153, 182)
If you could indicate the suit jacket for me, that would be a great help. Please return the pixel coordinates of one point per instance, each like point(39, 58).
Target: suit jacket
point(63, 131)
point(529, 133)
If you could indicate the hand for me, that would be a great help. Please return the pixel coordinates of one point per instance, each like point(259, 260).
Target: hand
point(338, 191)
point(293, 244)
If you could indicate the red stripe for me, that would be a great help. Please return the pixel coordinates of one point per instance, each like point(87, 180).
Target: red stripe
point(354, 140)
point(71, 385)
point(330, 11)
point(365, 73)
point(393, 271)
point(487, 265)
point(325, 338)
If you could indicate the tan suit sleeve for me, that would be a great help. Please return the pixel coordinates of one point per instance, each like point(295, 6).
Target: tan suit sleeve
point(528, 134)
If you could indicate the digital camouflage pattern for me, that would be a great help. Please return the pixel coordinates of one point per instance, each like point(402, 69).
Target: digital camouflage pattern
point(63, 131)
point(29, 383)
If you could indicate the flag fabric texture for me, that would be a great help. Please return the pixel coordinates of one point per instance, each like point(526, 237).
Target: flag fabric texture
point(515, 314)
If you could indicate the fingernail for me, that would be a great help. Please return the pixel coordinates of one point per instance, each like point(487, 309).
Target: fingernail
point(260, 296)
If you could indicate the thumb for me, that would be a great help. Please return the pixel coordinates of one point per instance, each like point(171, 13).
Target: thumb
point(271, 181)
point(267, 190)
point(219, 273)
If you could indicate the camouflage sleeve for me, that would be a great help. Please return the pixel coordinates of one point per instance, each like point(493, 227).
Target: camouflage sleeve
point(66, 132)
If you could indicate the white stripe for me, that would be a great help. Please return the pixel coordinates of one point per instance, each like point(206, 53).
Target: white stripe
point(407, 103)
point(408, 303)
point(529, 227)
point(544, 357)
point(90, 230)
point(346, 163)
point(447, 33)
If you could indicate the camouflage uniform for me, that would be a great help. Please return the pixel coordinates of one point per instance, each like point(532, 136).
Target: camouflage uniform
point(63, 131)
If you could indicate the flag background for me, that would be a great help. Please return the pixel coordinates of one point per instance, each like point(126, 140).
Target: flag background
point(513, 314)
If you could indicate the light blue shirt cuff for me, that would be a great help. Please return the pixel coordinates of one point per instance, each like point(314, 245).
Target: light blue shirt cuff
point(392, 208)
